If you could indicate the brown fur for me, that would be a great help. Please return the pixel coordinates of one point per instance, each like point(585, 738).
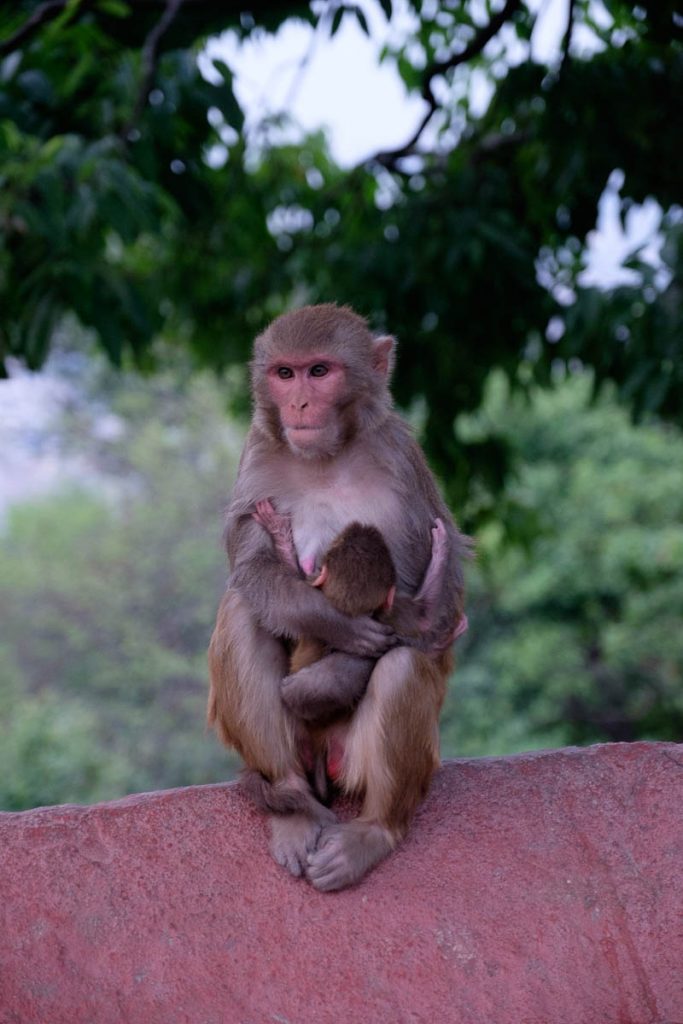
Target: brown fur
point(360, 571)
point(377, 474)
point(360, 575)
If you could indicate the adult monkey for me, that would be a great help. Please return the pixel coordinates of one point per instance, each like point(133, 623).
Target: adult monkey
point(326, 448)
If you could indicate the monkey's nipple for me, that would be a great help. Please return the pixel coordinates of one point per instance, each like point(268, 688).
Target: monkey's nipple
point(308, 565)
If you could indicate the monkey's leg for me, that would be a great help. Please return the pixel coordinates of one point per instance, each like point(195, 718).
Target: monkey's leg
point(391, 753)
point(246, 666)
point(329, 686)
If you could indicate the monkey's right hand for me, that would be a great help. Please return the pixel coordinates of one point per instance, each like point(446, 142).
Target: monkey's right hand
point(361, 635)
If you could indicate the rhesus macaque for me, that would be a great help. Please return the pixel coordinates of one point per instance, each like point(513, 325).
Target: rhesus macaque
point(358, 576)
point(326, 447)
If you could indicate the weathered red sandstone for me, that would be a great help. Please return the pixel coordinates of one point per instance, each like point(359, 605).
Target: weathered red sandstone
point(539, 889)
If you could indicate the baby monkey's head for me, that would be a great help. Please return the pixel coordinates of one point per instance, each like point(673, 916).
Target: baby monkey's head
point(358, 575)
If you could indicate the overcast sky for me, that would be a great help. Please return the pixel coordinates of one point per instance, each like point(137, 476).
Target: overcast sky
point(339, 84)
point(343, 86)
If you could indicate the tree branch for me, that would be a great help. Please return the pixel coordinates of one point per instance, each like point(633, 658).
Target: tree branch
point(45, 12)
point(567, 39)
point(483, 36)
point(149, 56)
point(389, 157)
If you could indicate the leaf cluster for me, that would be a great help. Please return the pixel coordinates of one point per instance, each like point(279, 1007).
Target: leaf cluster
point(134, 196)
point(574, 637)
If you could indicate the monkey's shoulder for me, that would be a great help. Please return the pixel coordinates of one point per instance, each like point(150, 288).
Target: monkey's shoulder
point(377, 470)
point(396, 448)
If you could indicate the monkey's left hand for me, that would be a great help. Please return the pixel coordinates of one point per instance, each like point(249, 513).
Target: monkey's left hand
point(436, 641)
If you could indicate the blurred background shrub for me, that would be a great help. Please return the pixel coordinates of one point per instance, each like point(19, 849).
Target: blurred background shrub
point(151, 222)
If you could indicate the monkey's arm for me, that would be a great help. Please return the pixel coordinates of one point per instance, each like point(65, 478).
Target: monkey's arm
point(442, 587)
point(413, 617)
point(288, 606)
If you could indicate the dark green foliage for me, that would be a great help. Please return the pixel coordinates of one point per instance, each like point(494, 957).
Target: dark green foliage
point(576, 638)
point(104, 208)
point(111, 209)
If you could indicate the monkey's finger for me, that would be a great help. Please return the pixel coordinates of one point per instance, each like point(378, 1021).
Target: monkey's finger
point(264, 507)
point(364, 636)
point(372, 643)
point(334, 879)
point(290, 860)
point(372, 628)
point(438, 534)
point(332, 872)
point(264, 512)
point(326, 852)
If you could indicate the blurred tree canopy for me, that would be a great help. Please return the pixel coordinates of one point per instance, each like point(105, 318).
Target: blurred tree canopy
point(577, 639)
point(108, 590)
point(132, 196)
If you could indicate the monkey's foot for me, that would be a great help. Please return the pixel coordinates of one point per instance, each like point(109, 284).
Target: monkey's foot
point(345, 853)
point(293, 838)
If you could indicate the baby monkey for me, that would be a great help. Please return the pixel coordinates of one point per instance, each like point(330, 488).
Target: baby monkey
point(358, 577)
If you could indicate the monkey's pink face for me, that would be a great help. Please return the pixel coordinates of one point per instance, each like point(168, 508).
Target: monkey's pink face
point(308, 392)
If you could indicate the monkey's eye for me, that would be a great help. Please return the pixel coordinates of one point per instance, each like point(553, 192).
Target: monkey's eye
point(319, 370)
point(285, 372)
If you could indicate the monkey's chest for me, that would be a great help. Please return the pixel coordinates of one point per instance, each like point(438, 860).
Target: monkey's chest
point(325, 510)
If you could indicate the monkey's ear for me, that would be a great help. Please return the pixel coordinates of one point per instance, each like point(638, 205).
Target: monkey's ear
point(383, 355)
point(389, 600)
point(320, 578)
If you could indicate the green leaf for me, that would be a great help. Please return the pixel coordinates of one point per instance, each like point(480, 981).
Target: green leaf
point(361, 19)
point(116, 8)
point(337, 20)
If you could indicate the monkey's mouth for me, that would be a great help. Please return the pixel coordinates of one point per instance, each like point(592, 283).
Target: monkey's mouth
point(303, 429)
point(306, 438)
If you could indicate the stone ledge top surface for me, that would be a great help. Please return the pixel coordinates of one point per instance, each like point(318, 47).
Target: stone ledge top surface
point(543, 888)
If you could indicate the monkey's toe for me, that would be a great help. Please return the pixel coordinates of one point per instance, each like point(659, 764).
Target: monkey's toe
point(293, 838)
point(345, 853)
point(329, 867)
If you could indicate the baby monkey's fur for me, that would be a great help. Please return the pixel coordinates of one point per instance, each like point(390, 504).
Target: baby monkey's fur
point(360, 579)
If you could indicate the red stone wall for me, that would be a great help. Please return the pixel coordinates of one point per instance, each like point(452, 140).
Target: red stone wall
point(538, 889)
